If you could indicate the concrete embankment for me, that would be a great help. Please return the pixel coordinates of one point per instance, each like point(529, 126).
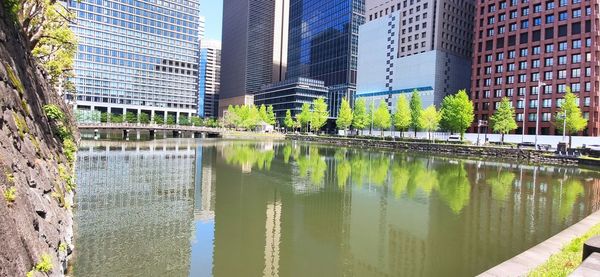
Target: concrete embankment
point(513, 154)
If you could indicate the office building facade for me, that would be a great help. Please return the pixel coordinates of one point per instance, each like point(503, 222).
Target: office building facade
point(209, 78)
point(323, 45)
point(254, 48)
point(138, 56)
point(290, 94)
point(525, 50)
point(421, 45)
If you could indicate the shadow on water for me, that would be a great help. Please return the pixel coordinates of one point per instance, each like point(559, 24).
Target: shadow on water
point(241, 208)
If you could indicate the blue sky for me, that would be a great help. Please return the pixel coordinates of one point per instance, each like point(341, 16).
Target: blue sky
point(213, 11)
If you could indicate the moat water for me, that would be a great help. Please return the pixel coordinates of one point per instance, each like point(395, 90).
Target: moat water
point(184, 207)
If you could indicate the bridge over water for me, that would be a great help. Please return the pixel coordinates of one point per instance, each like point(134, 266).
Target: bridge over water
point(177, 130)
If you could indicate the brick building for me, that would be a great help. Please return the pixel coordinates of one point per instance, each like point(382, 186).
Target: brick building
point(519, 45)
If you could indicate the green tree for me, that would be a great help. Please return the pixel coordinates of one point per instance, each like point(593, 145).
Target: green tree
point(457, 112)
point(288, 122)
point(46, 25)
point(159, 119)
point(104, 117)
point(116, 118)
point(144, 118)
point(184, 121)
point(402, 117)
point(430, 120)
point(416, 107)
point(344, 119)
point(575, 121)
point(231, 117)
point(319, 115)
point(262, 113)
point(131, 117)
point(503, 120)
point(382, 118)
point(371, 117)
point(196, 121)
point(359, 115)
point(171, 120)
point(304, 117)
point(271, 119)
point(249, 116)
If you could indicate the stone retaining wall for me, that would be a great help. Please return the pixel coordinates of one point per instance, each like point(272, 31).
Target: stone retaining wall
point(521, 155)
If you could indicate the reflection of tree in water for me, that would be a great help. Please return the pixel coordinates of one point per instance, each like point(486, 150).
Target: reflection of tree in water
point(501, 184)
point(379, 169)
point(343, 168)
point(359, 166)
point(248, 156)
point(400, 177)
point(312, 165)
point(454, 186)
point(287, 152)
point(568, 194)
point(424, 177)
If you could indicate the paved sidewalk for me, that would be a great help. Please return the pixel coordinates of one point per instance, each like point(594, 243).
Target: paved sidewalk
point(527, 261)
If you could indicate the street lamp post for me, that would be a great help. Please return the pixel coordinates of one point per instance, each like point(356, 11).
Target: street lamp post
point(524, 99)
point(537, 114)
point(563, 116)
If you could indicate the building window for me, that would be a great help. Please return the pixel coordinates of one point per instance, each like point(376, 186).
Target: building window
point(575, 73)
point(562, 74)
point(562, 60)
point(562, 46)
point(577, 44)
point(548, 75)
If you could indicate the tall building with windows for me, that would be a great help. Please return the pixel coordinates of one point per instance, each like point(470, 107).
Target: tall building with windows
point(323, 45)
point(530, 50)
point(408, 45)
point(137, 56)
point(209, 78)
point(254, 48)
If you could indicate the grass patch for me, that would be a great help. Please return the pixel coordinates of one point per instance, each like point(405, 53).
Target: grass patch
point(10, 194)
point(21, 125)
point(569, 258)
point(53, 112)
point(36, 144)
point(25, 107)
point(590, 158)
point(14, 79)
point(45, 264)
point(70, 150)
point(62, 247)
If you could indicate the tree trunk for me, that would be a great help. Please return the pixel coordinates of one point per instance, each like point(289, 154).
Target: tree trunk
point(502, 138)
point(570, 141)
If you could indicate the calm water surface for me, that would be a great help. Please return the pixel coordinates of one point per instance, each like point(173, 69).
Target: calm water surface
point(234, 208)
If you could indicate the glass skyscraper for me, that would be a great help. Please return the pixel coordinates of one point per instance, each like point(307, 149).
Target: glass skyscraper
point(137, 56)
point(323, 44)
point(209, 78)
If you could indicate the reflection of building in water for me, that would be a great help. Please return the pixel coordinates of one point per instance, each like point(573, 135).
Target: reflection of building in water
point(204, 194)
point(134, 209)
point(273, 236)
point(263, 228)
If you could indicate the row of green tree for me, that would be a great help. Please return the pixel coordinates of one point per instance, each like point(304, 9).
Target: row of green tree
point(247, 117)
point(144, 118)
point(456, 115)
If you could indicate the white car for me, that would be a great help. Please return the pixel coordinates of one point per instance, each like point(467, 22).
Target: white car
point(594, 147)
